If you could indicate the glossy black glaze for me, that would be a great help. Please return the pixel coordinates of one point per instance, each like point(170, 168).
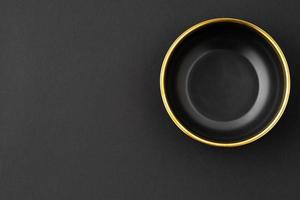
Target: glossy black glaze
point(224, 82)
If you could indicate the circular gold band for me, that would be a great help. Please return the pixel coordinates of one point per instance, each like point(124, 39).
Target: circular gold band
point(284, 65)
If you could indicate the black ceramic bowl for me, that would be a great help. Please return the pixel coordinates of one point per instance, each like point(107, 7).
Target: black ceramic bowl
point(225, 82)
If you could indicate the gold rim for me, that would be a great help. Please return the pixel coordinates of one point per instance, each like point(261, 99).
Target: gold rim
point(284, 65)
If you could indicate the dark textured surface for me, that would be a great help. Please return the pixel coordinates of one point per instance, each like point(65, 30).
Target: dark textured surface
point(81, 115)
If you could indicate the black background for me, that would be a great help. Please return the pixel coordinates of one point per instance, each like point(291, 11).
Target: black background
point(81, 115)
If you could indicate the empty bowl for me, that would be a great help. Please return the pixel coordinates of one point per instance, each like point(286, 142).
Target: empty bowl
point(225, 82)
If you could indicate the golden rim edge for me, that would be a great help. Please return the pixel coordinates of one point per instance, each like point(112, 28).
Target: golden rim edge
point(284, 65)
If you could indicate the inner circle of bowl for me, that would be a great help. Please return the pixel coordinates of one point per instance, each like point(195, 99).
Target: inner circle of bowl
point(223, 85)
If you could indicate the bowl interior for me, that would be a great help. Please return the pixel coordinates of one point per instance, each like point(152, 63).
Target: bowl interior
point(224, 82)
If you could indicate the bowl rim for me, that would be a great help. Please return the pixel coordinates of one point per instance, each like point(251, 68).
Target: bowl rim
point(281, 57)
